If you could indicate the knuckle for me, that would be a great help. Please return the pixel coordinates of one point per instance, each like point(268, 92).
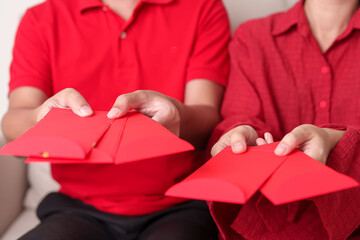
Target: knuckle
point(144, 96)
point(224, 138)
point(307, 126)
point(306, 129)
point(69, 91)
point(122, 99)
point(292, 138)
point(140, 93)
point(69, 95)
point(235, 137)
point(238, 129)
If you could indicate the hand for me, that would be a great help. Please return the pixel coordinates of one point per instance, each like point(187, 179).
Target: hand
point(159, 107)
point(314, 141)
point(67, 98)
point(238, 138)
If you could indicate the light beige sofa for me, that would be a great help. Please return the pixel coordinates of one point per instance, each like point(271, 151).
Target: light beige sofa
point(22, 187)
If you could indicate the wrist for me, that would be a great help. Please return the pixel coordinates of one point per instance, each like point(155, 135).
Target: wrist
point(334, 136)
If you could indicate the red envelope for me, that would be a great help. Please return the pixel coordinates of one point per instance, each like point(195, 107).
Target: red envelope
point(229, 177)
point(131, 138)
point(234, 178)
point(301, 177)
point(60, 135)
point(143, 137)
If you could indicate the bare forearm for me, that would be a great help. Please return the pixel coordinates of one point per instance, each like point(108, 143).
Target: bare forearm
point(24, 103)
point(17, 121)
point(197, 123)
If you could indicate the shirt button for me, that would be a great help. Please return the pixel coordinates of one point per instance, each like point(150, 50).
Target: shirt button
point(325, 70)
point(104, 9)
point(323, 104)
point(123, 35)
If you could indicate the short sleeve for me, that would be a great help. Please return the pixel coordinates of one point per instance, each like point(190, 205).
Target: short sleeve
point(209, 58)
point(30, 64)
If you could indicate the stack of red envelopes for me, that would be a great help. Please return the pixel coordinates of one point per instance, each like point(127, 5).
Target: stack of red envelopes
point(62, 137)
point(234, 178)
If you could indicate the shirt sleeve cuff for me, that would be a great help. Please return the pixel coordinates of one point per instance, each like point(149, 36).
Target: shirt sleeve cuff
point(207, 74)
point(340, 211)
point(28, 82)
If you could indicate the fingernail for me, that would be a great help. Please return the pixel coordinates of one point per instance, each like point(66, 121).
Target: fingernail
point(281, 149)
point(238, 147)
point(267, 136)
point(85, 111)
point(259, 142)
point(113, 113)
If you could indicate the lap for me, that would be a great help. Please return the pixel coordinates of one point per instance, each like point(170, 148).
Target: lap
point(191, 223)
point(63, 226)
point(65, 218)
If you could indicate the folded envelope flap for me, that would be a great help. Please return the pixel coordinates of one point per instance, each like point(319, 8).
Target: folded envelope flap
point(60, 134)
point(243, 173)
point(95, 157)
point(43, 147)
point(110, 141)
point(144, 138)
point(207, 189)
point(302, 177)
point(150, 147)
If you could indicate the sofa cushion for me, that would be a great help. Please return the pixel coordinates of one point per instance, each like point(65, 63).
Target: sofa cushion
point(23, 223)
point(40, 184)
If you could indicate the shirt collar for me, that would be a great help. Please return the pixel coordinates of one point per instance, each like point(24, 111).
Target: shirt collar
point(356, 19)
point(88, 4)
point(296, 16)
point(157, 1)
point(352, 25)
point(288, 19)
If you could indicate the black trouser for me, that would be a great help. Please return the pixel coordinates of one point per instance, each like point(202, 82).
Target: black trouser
point(68, 219)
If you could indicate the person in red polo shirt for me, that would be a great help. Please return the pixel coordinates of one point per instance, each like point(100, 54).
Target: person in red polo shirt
point(165, 58)
point(295, 77)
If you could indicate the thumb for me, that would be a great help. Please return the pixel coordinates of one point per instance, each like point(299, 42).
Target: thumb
point(126, 102)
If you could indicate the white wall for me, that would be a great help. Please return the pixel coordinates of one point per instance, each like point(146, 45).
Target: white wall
point(242, 10)
point(10, 14)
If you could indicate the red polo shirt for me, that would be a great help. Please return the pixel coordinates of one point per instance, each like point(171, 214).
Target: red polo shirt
point(279, 79)
point(82, 44)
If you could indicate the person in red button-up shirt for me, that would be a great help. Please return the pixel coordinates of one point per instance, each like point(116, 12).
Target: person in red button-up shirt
point(295, 78)
point(167, 59)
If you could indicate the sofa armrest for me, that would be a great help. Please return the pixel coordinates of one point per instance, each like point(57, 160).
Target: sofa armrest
point(13, 184)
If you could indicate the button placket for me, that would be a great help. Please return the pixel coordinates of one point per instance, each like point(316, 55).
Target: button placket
point(123, 35)
point(325, 89)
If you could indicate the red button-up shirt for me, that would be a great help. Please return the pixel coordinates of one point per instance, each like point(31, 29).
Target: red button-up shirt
point(280, 79)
